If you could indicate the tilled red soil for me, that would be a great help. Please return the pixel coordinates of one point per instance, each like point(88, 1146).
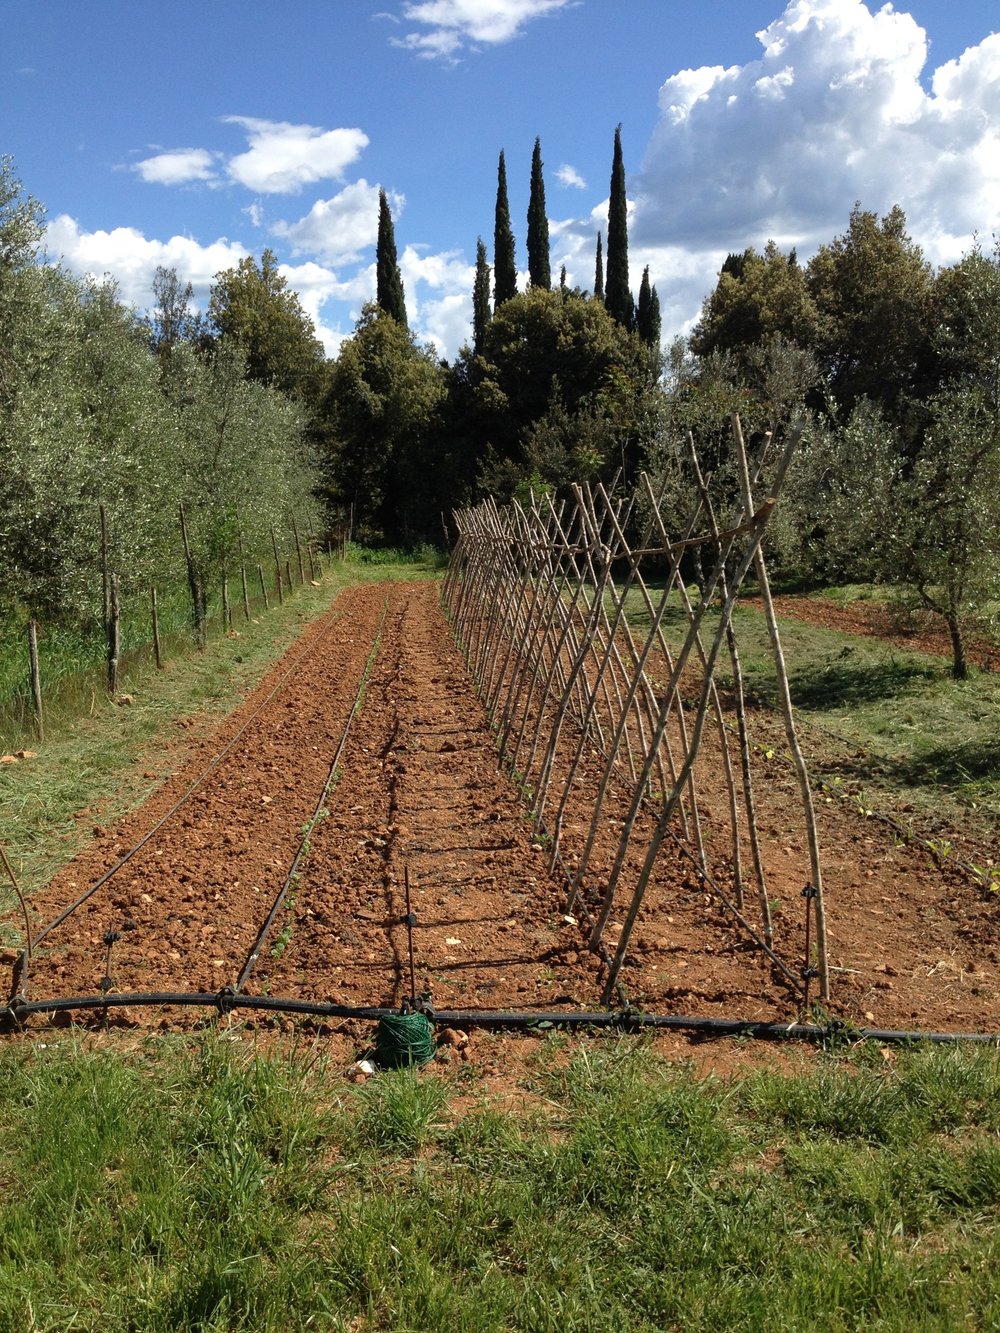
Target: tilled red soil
point(418, 793)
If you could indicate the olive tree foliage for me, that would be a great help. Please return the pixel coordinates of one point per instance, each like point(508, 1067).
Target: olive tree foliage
point(92, 416)
point(242, 461)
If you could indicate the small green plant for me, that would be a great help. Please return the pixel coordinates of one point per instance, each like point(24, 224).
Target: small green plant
point(987, 877)
point(939, 847)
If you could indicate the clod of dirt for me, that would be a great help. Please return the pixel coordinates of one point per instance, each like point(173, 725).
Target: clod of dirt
point(454, 1037)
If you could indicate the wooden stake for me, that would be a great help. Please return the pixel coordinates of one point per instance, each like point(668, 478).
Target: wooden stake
point(36, 679)
point(114, 637)
point(156, 629)
point(277, 566)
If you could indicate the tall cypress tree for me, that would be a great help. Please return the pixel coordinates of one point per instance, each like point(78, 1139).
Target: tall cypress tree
point(618, 295)
point(599, 271)
point(504, 265)
point(539, 270)
point(647, 315)
point(480, 299)
point(389, 284)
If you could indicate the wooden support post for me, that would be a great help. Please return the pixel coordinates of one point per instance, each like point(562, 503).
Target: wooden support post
point(277, 566)
point(192, 573)
point(298, 552)
point(36, 678)
point(157, 651)
point(114, 637)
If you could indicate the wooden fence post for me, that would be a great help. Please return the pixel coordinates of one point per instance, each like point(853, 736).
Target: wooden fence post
point(298, 551)
point(156, 629)
point(114, 637)
point(192, 573)
point(36, 679)
point(277, 566)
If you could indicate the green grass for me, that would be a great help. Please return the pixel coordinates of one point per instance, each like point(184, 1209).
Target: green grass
point(204, 1185)
point(96, 752)
point(871, 713)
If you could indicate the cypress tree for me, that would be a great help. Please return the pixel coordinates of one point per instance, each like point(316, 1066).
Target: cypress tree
point(618, 295)
point(481, 312)
point(539, 270)
point(599, 271)
point(504, 265)
point(647, 318)
point(389, 284)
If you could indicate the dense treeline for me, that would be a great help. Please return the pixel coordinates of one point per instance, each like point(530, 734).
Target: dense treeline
point(897, 368)
point(238, 415)
point(101, 408)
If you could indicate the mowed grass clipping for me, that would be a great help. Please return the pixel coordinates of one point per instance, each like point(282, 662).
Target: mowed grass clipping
point(101, 758)
point(210, 1185)
point(872, 713)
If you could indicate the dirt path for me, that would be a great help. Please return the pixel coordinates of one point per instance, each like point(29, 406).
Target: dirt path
point(418, 793)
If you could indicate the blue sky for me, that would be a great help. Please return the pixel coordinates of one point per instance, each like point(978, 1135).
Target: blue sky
point(194, 134)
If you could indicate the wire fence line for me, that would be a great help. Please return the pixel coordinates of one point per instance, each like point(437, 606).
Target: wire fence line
point(561, 608)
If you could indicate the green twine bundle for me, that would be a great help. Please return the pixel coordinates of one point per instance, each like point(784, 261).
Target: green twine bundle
point(403, 1039)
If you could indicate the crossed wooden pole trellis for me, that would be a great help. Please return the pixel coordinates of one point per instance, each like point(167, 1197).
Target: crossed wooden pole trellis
point(562, 627)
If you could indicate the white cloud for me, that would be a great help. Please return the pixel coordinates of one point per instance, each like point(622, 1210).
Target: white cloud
point(284, 157)
point(569, 176)
point(455, 24)
point(446, 323)
point(339, 229)
point(131, 258)
point(315, 285)
point(178, 166)
point(833, 112)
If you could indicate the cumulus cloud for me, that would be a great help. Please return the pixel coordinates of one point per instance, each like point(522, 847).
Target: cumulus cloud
point(834, 111)
point(282, 158)
point(341, 228)
point(179, 166)
point(131, 258)
point(449, 26)
point(569, 176)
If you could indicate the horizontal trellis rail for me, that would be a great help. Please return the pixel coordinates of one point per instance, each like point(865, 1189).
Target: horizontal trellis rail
point(564, 630)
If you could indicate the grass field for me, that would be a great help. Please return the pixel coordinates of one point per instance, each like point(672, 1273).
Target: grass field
point(877, 715)
point(213, 1185)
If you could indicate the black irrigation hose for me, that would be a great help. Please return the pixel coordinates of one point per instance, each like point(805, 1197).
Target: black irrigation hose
point(265, 929)
point(626, 1020)
point(103, 879)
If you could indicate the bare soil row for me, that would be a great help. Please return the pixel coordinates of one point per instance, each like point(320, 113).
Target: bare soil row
point(418, 794)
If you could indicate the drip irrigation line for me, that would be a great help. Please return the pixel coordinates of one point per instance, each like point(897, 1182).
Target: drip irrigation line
point(258, 944)
point(626, 1020)
point(124, 860)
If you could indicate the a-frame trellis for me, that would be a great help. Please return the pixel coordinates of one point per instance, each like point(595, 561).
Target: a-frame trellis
point(562, 626)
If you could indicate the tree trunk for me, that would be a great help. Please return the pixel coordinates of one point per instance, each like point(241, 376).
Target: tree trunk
point(959, 663)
